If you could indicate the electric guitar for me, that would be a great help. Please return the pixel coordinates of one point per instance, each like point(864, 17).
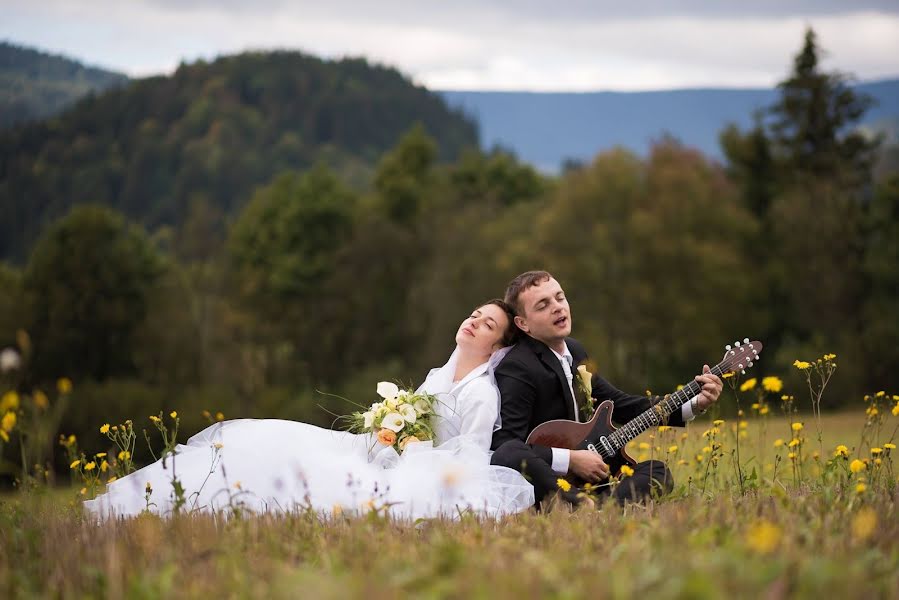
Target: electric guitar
point(600, 436)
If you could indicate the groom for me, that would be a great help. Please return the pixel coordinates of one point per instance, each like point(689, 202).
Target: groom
point(536, 384)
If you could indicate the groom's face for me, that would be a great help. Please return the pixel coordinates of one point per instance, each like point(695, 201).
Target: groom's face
point(545, 312)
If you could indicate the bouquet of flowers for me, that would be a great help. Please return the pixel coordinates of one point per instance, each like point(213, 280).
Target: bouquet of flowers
point(402, 417)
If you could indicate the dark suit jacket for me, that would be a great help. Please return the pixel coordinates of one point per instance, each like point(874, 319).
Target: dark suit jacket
point(533, 389)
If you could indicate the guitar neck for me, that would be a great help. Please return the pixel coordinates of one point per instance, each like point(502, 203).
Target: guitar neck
point(657, 415)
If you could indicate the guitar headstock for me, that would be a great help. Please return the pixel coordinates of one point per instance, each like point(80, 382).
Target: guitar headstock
point(740, 356)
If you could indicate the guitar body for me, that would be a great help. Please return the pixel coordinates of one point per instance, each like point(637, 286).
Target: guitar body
point(562, 433)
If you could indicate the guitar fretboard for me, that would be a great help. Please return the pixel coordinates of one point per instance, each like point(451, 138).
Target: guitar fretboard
point(656, 415)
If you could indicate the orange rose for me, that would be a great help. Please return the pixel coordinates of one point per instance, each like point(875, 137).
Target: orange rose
point(387, 437)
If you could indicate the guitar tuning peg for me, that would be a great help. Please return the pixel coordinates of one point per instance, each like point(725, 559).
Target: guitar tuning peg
point(743, 372)
point(740, 366)
point(745, 340)
point(737, 344)
point(727, 347)
point(750, 363)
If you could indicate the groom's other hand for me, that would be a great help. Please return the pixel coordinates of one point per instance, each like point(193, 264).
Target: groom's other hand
point(711, 388)
point(588, 465)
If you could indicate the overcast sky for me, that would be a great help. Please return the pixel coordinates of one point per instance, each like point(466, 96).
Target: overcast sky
point(488, 44)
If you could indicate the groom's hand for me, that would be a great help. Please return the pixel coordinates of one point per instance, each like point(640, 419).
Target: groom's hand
point(711, 386)
point(588, 465)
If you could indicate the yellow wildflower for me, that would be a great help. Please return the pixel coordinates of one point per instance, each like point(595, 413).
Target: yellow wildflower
point(878, 461)
point(10, 401)
point(829, 356)
point(664, 428)
point(8, 422)
point(626, 471)
point(64, 385)
point(41, 400)
point(174, 414)
point(149, 488)
point(83, 491)
point(791, 456)
point(876, 451)
point(672, 449)
point(104, 428)
point(860, 488)
point(857, 466)
point(111, 479)
point(718, 422)
point(74, 464)
point(895, 411)
point(154, 418)
point(707, 449)
point(763, 537)
point(103, 466)
point(772, 384)
point(864, 524)
point(872, 411)
point(796, 426)
point(124, 455)
point(889, 446)
point(206, 414)
point(643, 446)
point(880, 394)
point(90, 466)
point(219, 416)
point(727, 375)
point(744, 424)
point(801, 365)
point(794, 442)
point(764, 410)
point(778, 443)
point(4, 436)
point(100, 454)
point(842, 451)
point(755, 406)
point(563, 484)
point(747, 385)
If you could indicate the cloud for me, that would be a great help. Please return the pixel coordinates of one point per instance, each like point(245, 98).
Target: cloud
point(486, 45)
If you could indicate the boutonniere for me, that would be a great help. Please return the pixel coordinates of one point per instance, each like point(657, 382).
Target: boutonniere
point(585, 384)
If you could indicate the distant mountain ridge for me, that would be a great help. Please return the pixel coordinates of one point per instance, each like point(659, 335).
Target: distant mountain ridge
point(35, 85)
point(547, 129)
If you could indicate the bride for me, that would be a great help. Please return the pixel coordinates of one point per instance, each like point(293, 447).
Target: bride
point(276, 465)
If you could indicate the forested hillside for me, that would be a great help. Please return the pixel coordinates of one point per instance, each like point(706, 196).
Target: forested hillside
point(207, 136)
point(35, 85)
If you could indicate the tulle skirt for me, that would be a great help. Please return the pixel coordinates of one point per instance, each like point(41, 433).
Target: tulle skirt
point(272, 465)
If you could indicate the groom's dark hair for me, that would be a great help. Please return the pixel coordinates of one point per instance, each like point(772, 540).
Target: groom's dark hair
point(520, 284)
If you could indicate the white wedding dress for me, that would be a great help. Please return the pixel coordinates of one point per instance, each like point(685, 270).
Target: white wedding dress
point(270, 465)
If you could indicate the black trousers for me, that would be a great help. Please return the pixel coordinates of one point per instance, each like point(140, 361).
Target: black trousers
point(651, 476)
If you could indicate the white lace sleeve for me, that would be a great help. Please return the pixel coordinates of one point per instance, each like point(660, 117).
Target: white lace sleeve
point(479, 405)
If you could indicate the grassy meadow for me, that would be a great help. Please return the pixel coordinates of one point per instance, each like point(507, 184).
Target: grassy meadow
point(761, 508)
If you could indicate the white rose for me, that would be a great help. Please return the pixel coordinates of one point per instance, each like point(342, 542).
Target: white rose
point(388, 390)
point(408, 412)
point(369, 419)
point(393, 421)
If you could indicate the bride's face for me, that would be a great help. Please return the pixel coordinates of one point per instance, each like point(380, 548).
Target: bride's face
point(483, 330)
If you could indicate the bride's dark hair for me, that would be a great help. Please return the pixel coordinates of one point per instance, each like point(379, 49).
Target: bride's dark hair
point(510, 335)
